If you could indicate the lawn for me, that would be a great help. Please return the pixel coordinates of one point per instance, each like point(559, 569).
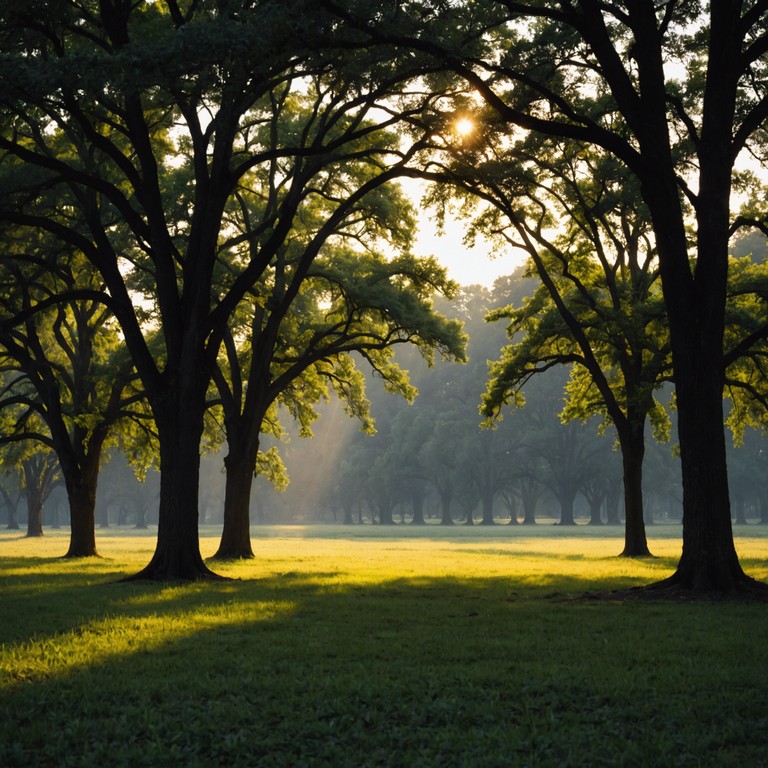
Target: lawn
point(372, 647)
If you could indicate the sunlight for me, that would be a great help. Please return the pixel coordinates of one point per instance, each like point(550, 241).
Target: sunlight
point(464, 127)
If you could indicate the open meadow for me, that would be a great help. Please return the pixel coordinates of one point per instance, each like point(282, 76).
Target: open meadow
point(369, 646)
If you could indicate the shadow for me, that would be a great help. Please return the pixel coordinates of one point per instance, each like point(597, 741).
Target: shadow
point(312, 668)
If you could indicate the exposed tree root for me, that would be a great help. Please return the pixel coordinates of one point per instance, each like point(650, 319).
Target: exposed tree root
point(674, 590)
point(175, 570)
point(224, 557)
point(638, 555)
point(146, 575)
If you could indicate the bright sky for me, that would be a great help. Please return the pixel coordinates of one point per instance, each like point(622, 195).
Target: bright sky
point(466, 266)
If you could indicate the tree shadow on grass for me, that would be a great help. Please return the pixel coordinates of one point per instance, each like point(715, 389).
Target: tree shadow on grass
point(312, 668)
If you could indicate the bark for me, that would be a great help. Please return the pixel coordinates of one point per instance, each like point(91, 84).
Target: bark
point(709, 562)
point(38, 482)
point(236, 533)
point(179, 418)
point(34, 514)
point(81, 479)
point(632, 453)
point(695, 296)
point(82, 506)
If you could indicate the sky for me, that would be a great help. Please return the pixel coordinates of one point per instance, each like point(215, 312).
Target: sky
point(467, 266)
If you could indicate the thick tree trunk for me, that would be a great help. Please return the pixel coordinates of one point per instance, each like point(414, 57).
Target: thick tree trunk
point(596, 510)
point(82, 505)
point(695, 295)
point(179, 419)
point(709, 562)
point(35, 490)
point(236, 533)
point(632, 454)
point(81, 481)
point(34, 514)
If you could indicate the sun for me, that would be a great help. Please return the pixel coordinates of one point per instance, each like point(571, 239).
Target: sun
point(463, 127)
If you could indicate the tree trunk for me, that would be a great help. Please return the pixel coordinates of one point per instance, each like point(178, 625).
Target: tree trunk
point(417, 500)
point(695, 295)
point(236, 533)
point(34, 513)
point(385, 513)
point(82, 505)
point(566, 500)
point(141, 516)
point(596, 510)
point(81, 482)
point(37, 484)
point(709, 562)
point(529, 498)
point(612, 503)
point(488, 498)
point(739, 510)
point(179, 418)
point(13, 518)
point(445, 508)
point(632, 453)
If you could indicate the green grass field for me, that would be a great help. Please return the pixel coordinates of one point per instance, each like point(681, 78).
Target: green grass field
point(372, 647)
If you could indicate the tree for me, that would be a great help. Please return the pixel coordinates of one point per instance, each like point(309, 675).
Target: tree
point(353, 299)
point(149, 118)
point(350, 303)
point(599, 306)
point(11, 493)
point(40, 473)
point(63, 362)
point(602, 74)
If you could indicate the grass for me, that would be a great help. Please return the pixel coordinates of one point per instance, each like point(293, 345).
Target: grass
point(367, 647)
